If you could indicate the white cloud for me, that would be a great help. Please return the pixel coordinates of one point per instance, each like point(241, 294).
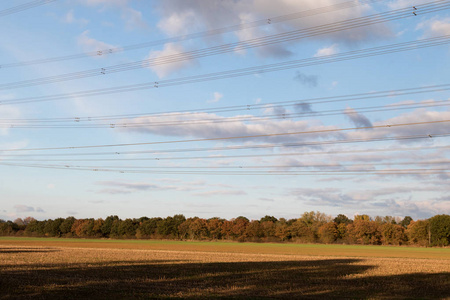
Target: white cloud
point(398, 4)
point(435, 27)
point(128, 187)
point(133, 18)
point(20, 208)
point(221, 193)
point(170, 50)
point(216, 97)
point(193, 125)
point(8, 112)
point(199, 15)
point(90, 44)
point(70, 18)
point(330, 50)
point(175, 24)
point(418, 115)
point(380, 201)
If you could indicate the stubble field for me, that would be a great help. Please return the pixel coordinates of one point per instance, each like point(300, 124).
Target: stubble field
point(81, 269)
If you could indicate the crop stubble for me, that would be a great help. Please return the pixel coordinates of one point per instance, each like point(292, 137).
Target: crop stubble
point(69, 272)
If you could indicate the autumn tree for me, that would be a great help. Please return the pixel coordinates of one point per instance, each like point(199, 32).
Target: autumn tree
point(418, 232)
point(282, 230)
point(363, 231)
point(300, 232)
point(239, 227)
point(328, 232)
point(214, 226)
point(393, 234)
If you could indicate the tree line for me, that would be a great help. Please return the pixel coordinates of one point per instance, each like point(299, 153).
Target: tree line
point(311, 227)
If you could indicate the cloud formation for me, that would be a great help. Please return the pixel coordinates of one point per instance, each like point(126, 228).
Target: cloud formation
point(133, 18)
point(197, 15)
point(170, 50)
point(216, 97)
point(330, 50)
point(90, 44)
point(306, 80)
point(8, 112)
point(356, 118)
point(20, 208)
point(194, 125)
point(70, 18)
point(435, 27)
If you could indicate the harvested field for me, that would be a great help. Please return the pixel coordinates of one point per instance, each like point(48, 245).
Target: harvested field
point(40, 268)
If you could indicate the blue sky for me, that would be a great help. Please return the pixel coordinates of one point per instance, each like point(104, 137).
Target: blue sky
point(326, 170)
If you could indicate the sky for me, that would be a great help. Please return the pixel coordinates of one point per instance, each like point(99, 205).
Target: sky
point(224, 108)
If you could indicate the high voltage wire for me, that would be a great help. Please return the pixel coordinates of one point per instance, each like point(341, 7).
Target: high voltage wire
point(244, 147)
point(248, 107)
point(243, 166)
point(233, 137)
point(235, 156)
point(22, 7)
point(264, 22)
point(185, 122)
point(241, 147)
point(259, 173)
point(242, 45)
point(363, 53)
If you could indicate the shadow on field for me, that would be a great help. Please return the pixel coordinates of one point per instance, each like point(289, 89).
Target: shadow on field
point(22, 250)
point(272, 279)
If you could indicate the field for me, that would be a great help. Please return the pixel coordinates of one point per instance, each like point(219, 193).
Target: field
point(105, 269)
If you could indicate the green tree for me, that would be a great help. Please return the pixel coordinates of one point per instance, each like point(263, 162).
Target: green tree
point(269, 218)
point(418, 232)
point(107, 225)
point(51, 227)
point(66, 225)
point(148, 227)
point(127, 229)
point(342, 219)
point(440, 230)
point(35, 228)
point(8, 228)
point(406, 221)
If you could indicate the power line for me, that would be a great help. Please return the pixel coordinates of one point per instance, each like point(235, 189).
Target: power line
point(259, 173)
point(242, 147)
point(382, 50)
point(257, 42)
point(264, 22)
point(250, 107)
point(160, 158)
point(188, 122)
point(22, 7)
point(233, 137)
point(243, 166)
